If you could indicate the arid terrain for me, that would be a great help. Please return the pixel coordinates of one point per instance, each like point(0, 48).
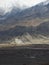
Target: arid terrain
point(24, 36)
point(25, 55)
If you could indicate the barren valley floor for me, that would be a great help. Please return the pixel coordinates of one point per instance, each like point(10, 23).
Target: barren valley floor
point(24, 56)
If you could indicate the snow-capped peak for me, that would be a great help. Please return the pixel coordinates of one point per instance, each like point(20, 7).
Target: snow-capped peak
point(22, 4)
point(46, 2)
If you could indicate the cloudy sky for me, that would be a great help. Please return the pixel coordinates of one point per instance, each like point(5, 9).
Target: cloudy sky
point(7, 4)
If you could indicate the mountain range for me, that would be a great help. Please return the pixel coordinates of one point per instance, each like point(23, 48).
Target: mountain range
point(33, 20)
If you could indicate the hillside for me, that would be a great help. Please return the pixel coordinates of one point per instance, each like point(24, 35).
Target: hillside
point(32, 22)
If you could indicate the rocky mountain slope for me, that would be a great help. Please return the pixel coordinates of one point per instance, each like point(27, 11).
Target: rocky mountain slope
point(33, 20)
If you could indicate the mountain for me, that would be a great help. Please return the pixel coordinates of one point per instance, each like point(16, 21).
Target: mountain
point(17, 22)
point(41, 10)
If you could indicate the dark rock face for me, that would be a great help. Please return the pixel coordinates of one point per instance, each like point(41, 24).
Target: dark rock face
point(17, 31)
point(43, 28)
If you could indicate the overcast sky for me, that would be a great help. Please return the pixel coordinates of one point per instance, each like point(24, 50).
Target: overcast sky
point(6, 4)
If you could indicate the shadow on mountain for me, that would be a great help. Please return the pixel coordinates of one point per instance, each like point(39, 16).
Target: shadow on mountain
point(42, 29)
